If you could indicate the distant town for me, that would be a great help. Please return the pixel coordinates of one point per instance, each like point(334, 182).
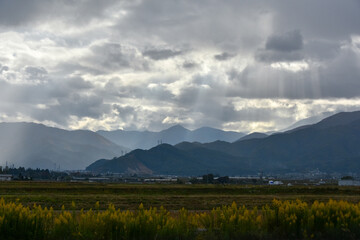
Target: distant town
point(314, 177)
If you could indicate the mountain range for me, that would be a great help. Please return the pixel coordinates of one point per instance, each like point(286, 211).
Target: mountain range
point(38, 146)
point(331, 145)
point(308, 121)
point(172, 135)
point(198, 151)
point(253, 135)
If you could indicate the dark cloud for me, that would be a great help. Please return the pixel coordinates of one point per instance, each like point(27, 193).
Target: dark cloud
point(115, 91)
point(125, 113)
point(110, 56)
point(189, 65)
point(266, 82)
point(240, 79)
point(158, 93)
point(17, 94)
point(3, 69)
point(65, 60)
point(74, 106)
point(202, 102)
point(290, 41)
point(321, 50)
point(282, 48)
point(195, 24)
point(161, 54)
point(324, 19)
point(188, 97)
point(275, 56)
point(340, 78)
point(18, 12)
point(224, 56)
point(63, 99)
point(79, 83)
point(36, 73)
point(80, 65)
point(82, 106)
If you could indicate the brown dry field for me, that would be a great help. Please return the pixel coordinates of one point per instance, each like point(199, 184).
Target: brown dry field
point(170, 196)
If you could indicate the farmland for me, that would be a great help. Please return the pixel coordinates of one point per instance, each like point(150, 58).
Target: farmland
point(170, 196)
point(60, 210)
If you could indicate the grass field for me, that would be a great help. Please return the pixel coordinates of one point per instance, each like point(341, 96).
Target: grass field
point(172, 197)
point(133, 211)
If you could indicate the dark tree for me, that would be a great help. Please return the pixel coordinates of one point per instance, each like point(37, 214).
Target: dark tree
point(208, 178)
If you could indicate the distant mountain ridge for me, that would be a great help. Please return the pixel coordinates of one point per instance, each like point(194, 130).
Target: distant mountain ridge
point(308, 121)
point(38, 146)
point(172, 135)
point(331, 145)
point(340, 119)
point(253, 135)
point(166, 159)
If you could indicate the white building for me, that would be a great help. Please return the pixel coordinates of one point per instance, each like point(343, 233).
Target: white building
point(6, 177)
point(348, 183)
point(271, 182)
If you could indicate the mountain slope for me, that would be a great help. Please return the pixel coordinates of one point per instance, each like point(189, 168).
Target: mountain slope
point(167, 159)
point(339, 119)
point(172, 135)
point(37, 146)
point(253, 135)
point(308, 121)
point(331, 145)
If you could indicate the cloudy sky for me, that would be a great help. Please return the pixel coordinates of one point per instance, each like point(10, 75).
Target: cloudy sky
point(236, 65)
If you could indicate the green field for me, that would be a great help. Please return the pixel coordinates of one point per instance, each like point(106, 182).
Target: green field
point(171, 196)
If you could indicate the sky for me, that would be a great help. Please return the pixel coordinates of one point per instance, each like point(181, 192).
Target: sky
point(239, 65)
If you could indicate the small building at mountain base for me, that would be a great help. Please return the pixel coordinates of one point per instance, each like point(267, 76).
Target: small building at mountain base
point(348, 183)
point(6, 177)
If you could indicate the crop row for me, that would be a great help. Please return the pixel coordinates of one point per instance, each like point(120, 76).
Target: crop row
point(280, 220)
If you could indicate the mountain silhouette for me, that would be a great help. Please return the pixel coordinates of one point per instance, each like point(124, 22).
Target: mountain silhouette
point(253, 135)
point(172, 135)
point(331, 145)
point(37, 146)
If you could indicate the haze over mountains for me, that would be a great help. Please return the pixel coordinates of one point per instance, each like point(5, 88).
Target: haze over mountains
point(254, 135)
point(308, 121)
point(37, 146)
point(332, 145)
point(172, 135)
point(173, 160)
